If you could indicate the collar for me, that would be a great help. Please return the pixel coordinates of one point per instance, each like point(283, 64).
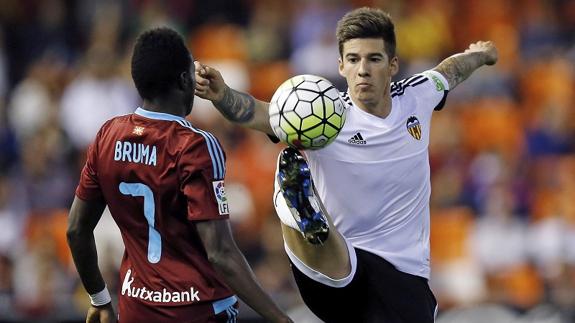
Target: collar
point(158, 115)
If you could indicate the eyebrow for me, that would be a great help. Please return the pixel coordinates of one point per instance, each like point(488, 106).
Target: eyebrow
point(368, 55)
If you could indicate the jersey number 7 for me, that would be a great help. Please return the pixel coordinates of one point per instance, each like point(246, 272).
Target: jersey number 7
point(154, 238)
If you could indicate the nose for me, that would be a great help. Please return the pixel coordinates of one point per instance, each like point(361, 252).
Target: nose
point(363, 69)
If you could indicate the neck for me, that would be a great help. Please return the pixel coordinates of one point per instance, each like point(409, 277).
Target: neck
point(170, 106)
point(379, 108)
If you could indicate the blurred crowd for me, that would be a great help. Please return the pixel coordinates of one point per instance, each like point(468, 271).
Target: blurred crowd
point(502, 150)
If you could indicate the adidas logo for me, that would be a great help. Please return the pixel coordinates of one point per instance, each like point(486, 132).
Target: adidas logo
point(357, 139)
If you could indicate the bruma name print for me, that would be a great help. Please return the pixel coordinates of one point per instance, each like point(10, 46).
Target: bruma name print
point(132, 152)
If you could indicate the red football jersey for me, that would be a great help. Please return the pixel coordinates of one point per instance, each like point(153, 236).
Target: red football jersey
point(158, 175)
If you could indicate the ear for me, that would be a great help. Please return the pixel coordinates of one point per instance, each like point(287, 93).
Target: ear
point(184, 80)
point(340, 66)
point(394, 66)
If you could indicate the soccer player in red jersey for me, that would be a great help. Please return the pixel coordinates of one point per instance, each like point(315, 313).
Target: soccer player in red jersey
point(163, 181)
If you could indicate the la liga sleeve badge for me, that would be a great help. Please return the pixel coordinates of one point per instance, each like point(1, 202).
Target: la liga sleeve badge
point(221, 198)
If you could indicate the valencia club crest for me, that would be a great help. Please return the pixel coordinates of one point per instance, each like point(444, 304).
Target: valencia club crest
point(414, 127)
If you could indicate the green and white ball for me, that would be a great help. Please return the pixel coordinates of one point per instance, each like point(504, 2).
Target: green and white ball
point(306, 112)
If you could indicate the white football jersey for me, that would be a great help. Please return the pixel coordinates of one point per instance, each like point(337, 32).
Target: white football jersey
point(374, 179)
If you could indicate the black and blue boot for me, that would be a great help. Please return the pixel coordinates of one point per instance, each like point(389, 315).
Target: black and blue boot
point(296, 186)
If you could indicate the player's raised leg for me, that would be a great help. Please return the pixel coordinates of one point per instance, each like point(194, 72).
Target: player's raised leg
point(312, 242)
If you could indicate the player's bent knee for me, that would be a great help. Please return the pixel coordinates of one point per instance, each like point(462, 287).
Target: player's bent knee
point(334, 274)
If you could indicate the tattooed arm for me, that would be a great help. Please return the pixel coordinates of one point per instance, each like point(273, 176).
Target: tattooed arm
point(458, 67)
point(235, 106)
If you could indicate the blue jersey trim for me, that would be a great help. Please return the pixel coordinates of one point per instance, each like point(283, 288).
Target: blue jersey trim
point(158, 115)
point(223, 304)
point(214, 148)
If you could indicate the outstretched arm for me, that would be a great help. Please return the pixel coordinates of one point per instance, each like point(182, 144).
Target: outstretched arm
point(238, 107)
point(227, 259)
point(458, 67)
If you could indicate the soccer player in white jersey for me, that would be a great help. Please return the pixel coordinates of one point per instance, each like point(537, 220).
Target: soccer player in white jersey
point(373, 180)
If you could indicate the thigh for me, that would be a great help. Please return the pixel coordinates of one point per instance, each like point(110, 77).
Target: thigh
point(395, 295)
point(377, 293)
point(333, 304)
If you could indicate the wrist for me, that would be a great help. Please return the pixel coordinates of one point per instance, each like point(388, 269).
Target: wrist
point(220, 99)
point(101, 298)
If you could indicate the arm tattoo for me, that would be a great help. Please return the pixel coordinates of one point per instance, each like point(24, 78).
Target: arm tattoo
point(458, 67)
point(236, 106)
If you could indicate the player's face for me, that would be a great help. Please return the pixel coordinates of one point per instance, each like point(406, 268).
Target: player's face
point(367, 69)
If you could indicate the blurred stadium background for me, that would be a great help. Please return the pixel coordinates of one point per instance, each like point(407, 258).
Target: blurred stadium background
point(502, 151)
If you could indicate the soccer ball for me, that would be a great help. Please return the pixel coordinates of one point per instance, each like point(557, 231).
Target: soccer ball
point(306, 112)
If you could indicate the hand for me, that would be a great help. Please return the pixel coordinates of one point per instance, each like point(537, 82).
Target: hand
point(102, 314)
point(487, 48)
point(210, 84)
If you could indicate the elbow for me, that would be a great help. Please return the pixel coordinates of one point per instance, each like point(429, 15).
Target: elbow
point(72, 235)
point(75, 235)
point(216, 258)
point(221, 261)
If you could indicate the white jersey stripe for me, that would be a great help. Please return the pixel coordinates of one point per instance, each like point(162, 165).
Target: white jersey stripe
point(218, 153)
point(218, 150)
point(218, 167)
point(214, 164)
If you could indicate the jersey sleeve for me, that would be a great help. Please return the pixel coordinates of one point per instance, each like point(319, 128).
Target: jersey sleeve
point(435, 89)
point(89, 187)
point(430, 89)
point(202, 172)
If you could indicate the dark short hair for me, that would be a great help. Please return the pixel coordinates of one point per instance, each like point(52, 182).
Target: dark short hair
point(159, 58)
point(367, 23)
